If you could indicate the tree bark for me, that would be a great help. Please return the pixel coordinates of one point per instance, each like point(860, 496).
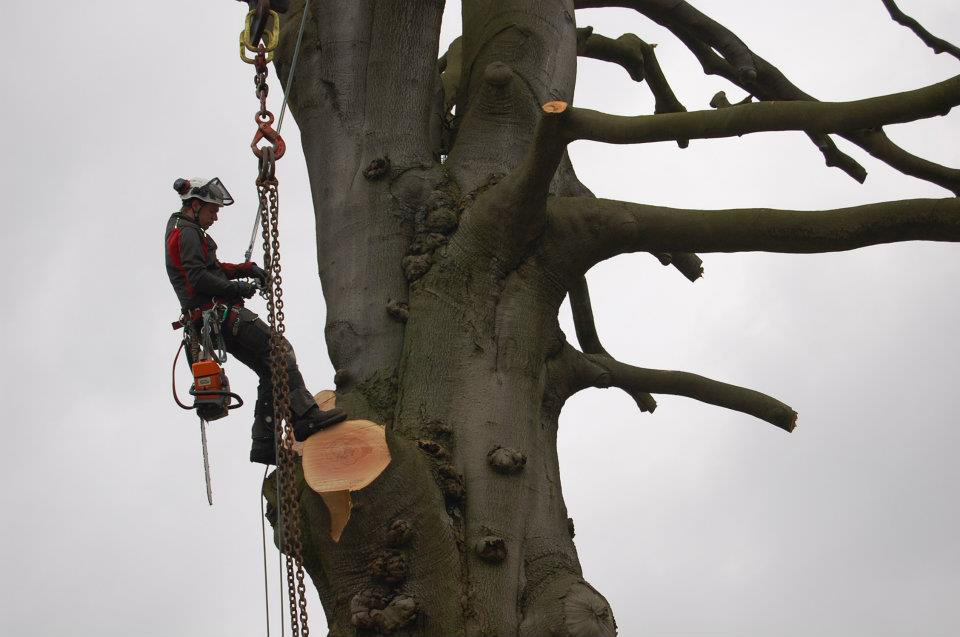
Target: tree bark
point(446, 245)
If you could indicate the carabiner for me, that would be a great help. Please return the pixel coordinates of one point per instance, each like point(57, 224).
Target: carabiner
point(250, 40)
point(266, 131)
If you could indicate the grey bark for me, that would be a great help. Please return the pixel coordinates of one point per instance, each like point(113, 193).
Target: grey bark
point(443, 280)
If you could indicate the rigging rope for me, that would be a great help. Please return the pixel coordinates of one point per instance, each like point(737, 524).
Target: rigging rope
point(263, 538)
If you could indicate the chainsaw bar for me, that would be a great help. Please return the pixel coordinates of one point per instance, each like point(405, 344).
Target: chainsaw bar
point(206, 460)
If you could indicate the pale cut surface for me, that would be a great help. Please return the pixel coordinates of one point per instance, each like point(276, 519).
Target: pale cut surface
point(341, 459)
point(347, 456)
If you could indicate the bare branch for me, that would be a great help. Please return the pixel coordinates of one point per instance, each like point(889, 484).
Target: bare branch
point(639, 381)
point(689, 265)
point(620, 51)
point(836, 158)
point(937, 44)
point(639, 59)
point(700, 26)
point(602, 228)
point(880, 146)
point(665, 100)
point(771, 84)
point(583, 321)
point(831, 154)
point(603, 371)
point(813, 117)
point(595, 370)
point(531, 180)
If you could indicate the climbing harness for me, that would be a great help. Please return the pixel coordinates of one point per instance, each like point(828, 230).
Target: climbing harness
point(288, 504)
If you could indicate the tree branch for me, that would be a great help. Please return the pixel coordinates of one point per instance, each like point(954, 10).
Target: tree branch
point(532, 178)
point(601, 228)
point(639, 381)
point(621, 51)
point(639, 59)
point(583, 322)
point(689, 265)
point(771, 84)
point(713, 64)
point(603, 371)
point(937, 44)
point(701, 26)
point(581, 371)
point(813, 117)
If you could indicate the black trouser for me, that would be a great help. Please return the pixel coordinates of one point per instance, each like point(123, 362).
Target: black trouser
point(248, 340)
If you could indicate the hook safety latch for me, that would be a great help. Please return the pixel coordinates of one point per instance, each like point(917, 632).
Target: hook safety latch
point(266, 131)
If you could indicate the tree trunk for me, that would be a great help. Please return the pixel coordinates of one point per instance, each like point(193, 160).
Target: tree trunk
point(439, 325)
point(444, 264)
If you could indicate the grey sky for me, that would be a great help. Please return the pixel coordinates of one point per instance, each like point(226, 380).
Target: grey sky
point(693, 521)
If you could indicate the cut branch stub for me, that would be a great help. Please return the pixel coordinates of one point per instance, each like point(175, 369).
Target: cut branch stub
point(344, 458)
point(491, 549)
point(399, 533)
point(555, 107)
point(452, 484)
point(506, 460)
point(586, 612)
point(377, 168)
point(401, 611)
point(388, 567)
point(347, 456)
point(433, 448)
point(374, 609)
point(363, 604)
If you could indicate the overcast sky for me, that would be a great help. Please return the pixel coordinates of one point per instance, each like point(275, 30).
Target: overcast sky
point(693, 521)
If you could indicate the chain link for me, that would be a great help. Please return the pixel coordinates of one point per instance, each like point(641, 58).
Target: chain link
point(289, 522)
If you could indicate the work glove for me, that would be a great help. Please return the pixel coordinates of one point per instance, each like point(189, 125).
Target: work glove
point(242, 288)
point(259, 274)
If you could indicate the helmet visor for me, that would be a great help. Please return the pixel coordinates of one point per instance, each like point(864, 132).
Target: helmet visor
point(217, 192)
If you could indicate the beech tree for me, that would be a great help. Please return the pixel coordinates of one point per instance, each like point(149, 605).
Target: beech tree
point(451, 227)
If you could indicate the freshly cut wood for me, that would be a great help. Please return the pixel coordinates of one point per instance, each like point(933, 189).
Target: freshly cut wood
point(339, 505)
point(345, 457)
point(341, 459)
point(327, 399)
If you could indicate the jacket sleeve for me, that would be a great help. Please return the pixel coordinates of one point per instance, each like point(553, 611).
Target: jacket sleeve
point(195, 266)
point(236, 270)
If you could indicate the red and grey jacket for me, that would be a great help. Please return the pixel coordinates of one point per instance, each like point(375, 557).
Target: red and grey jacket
point(196, 275)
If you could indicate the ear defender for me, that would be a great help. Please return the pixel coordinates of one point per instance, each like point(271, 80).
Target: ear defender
point(182, 186)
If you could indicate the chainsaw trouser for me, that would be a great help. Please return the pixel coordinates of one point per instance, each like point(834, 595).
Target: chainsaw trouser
point(248, 340)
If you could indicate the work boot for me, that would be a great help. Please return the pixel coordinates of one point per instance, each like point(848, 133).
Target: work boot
point(264, 451)
point(315, 420)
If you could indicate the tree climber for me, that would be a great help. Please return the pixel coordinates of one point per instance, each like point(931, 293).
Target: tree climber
point(201, 281)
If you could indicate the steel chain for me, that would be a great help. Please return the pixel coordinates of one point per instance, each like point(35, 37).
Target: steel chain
point(289, 523)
